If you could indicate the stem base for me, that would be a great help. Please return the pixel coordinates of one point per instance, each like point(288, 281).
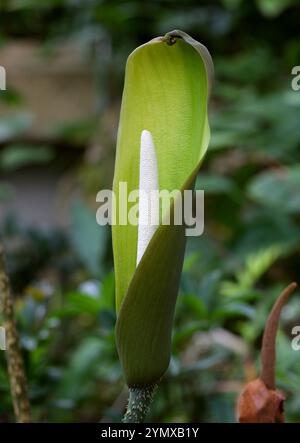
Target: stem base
point(140, 399)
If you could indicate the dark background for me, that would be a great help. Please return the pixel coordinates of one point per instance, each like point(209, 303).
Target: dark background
point(65, 64)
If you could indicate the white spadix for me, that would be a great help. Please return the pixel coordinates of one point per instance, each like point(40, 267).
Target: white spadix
point(148, 182)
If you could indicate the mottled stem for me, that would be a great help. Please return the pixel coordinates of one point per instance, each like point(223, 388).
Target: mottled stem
point(140, 399)
point(268, 350)
point(17, 378)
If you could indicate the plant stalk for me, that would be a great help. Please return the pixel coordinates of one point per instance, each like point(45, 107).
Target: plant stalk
point(16, 371)
point(140, 399)
point(268, 350)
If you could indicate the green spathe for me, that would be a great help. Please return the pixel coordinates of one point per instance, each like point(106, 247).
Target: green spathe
point(166, 92)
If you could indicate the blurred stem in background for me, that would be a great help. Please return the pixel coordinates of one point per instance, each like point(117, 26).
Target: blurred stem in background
point(18, 382)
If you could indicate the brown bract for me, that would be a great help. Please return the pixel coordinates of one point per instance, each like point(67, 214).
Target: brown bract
point(258, 404)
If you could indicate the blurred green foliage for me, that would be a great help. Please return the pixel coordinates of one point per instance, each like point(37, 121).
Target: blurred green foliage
point(250, 250)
